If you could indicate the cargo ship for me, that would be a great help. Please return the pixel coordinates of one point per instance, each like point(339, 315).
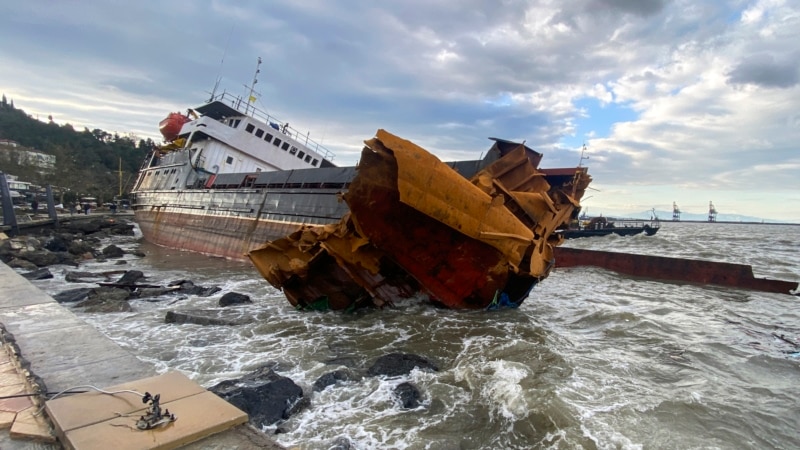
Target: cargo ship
point(231, 180)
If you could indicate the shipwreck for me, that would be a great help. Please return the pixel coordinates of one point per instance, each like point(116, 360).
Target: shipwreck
point(415, 224)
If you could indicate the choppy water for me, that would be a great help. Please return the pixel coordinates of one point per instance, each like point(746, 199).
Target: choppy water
point(590, 360)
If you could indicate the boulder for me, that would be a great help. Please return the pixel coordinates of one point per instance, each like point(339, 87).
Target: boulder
point(130, 277)
point(408, 395)
point(57, 244)
point(234, 298)
point(208, 317)
point(74, 276)
point(188, 288)
point(41, 258)
point(72, 295)
point(331, 378)
point(83, 226)
point(38, 274)
point(108, 294)
point(396, 364)
point(106, 299)
point(109, 307)
point(21, 264)
point(80, 248)
point(264, 395)
point(341, 443)
point(112, 251)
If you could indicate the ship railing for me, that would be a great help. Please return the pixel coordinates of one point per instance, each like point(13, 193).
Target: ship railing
point(248, 109)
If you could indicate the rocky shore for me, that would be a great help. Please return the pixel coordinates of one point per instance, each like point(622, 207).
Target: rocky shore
point(268, 397)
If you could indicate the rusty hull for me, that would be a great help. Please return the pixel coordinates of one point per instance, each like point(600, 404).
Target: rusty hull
point(673, 269)
point(416, 225)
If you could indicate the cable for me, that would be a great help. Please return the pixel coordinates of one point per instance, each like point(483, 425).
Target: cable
point(65, 391)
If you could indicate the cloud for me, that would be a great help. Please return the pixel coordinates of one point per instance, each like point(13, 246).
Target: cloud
point(690, 94)
point(765, 71)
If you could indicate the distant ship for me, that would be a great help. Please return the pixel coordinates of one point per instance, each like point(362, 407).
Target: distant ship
point(603, 226)
point(232, 178)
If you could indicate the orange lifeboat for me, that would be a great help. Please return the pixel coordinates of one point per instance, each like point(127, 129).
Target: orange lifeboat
point(171, 126)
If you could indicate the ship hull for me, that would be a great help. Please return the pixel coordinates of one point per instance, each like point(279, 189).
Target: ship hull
point(229, 223)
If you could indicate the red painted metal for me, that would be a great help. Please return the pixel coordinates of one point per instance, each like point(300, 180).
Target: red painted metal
point(672, 269)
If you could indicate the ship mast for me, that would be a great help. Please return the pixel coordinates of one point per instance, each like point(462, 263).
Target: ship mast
point(251, 97)
point(583, 153)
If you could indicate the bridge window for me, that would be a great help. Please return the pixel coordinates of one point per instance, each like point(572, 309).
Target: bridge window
point(276, 142)
point(259, 133)
point(268, 137)
point(229, 160)
point(286, 147)
point(314, 162)
point(249, 128)
point(301, 154)
point(308, 158)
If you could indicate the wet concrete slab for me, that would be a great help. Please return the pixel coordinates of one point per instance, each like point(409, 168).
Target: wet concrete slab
point(96, 419)
point(63, 351)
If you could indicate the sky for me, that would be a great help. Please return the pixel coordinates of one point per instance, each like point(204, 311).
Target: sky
point(685, 101)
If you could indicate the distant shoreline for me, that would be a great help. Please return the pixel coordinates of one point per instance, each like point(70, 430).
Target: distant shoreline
point(730, 222)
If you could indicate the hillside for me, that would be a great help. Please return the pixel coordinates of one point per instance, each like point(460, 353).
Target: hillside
point(87, 162)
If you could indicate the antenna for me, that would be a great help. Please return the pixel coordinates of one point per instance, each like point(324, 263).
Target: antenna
point(221, 62)
point(583, 155)
point(251, 97)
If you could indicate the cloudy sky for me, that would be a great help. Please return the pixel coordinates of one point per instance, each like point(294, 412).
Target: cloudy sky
point(685, 101)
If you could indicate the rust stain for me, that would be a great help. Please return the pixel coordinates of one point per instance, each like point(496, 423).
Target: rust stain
point(416, 225)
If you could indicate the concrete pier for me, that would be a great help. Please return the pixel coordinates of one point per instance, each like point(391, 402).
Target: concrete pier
point(50, 343)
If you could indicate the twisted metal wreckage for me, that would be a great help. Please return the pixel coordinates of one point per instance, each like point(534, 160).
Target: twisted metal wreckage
point(416, 225)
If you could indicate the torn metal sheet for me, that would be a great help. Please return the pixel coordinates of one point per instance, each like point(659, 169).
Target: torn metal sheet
point(417, 225)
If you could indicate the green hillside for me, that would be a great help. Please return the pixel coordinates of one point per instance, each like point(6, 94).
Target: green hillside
point(87, 162)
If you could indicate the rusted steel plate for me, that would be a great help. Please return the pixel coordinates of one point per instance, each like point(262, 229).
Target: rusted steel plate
point(417, 225)
point(673, 269)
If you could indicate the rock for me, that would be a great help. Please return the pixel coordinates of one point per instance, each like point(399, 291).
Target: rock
point(80, 248)
point(106, 299)
point(108, 294)
point(332, 378)
point(41, 258)
point(151, 292)
point(78, 277)
point(110, 306)
point(188, 288)
point(21, 264)
point(408, 394)
point(112, 251)
point(208, 317)
point(85, 227)
point(395, 364)
point(138, 253)
point(57, 244)
point(33, 243)
point(121, 229)
point(234, 298)
point(39, 274)
point(264, 395)
point(341, 443)
point(130, 277)
point(72, 295)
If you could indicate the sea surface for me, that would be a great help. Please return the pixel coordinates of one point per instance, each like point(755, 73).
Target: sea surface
point(592, 359)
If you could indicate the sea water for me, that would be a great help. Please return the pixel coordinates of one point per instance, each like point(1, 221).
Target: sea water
point(592, 359)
